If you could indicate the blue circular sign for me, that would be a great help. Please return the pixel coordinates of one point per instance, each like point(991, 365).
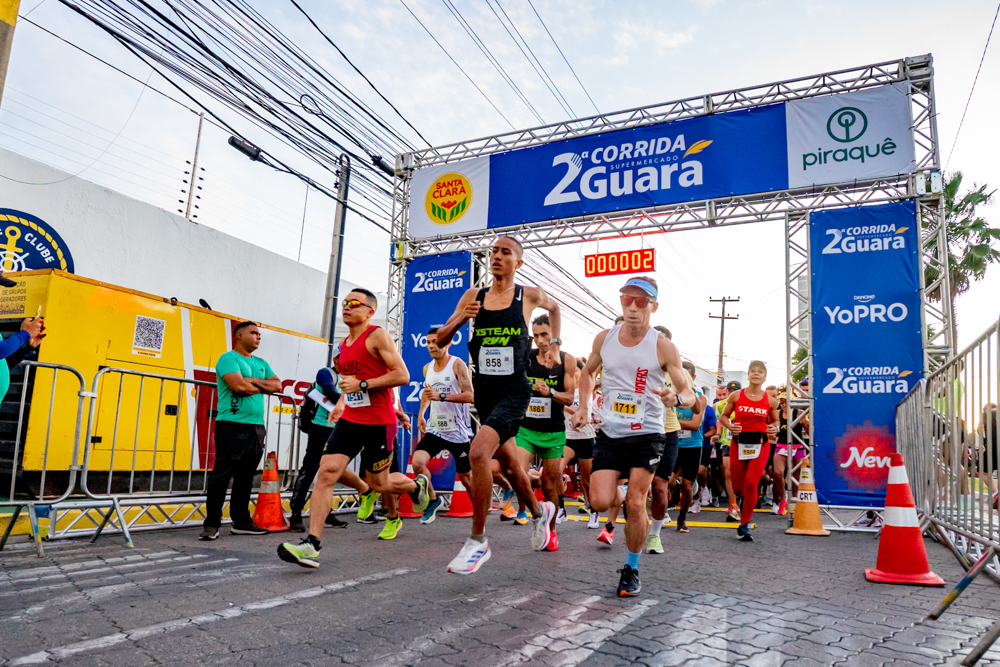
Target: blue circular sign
point(28, 243)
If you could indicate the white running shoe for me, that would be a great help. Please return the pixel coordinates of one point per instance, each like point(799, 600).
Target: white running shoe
point(595, 521)
point(471, 557)
point(706, 496)
point(695, 507)
point(540, 526)
point(561, 516)
point(775, 507)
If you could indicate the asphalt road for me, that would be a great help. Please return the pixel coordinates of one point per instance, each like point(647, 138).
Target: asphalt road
point(709, 600)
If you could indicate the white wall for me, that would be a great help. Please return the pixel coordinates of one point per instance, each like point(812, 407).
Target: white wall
point(122, 241)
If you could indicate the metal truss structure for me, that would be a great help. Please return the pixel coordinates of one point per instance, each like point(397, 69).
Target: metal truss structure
point(792, 206)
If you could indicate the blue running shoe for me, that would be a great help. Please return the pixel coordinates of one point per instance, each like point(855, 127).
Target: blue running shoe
point(431, 512)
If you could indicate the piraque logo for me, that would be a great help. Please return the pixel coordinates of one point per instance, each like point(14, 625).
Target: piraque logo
point(448, 198)
point(847, 125)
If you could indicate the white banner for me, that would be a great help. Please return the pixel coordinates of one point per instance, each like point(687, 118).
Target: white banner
point(450, 198)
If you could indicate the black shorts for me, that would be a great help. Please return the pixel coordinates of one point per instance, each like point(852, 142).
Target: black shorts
point(434, 445)
point(502, 407)
point(706, 456)
point(623, 454)
point(375, 442)
point(666, 467)
point(688, 461)
point(584, 448)
point(723, 452)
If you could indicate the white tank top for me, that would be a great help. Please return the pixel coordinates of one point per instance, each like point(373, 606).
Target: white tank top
point(448, 421)
point(629, 407)
point(587, 431)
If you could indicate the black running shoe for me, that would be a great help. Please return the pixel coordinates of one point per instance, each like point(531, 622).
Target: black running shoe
point(369, 519)
point(334, 521)
point(249, 529)
point(208, 534)
point(628, 585)
point(295, 523)
point(682, 526)
point(744, 532)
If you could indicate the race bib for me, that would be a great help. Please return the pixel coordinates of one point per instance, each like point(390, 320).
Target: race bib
point(318, 396)
point(540, 407)
point(442, 423)
point(625, 406)
point(712, 455)
point(749, 452)
point(683, 434)
point(358, 399)
point(496, 361)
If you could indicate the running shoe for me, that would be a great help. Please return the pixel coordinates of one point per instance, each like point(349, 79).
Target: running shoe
point(420, 496)
point(561, 515)
point(365, 506)
point(744, 532)
point(382, 514)
point(682, 526)
point(733, 515)
point(775, 507)
point(471, 557)
point(553, 543)
point(432, 509)
point(508, 496)
point(584, 509)
point(695, 507)
point(371, 518)
point(334, 521)
point(521, 519)
point(303, 553)
point(595, 521)
point(715, 502)
point(783, 507)
point(249, 529)
point(706, 496)
point(540, 526)
point(654, 545)
point(295, 523)
point(628, 585)
point(390, 529)
point(508, 513)
point(606, 536)
point(208, 534)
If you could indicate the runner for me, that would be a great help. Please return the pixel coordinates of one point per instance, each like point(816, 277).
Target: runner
point(751, 416)
point(580, 445)
point(688, 451)
point(709, 457)
point(369, 367)
point(661, 480)
point(722, 446)
point(799, 430)
point(633, 360)
point(448, 392)
point(499, 349)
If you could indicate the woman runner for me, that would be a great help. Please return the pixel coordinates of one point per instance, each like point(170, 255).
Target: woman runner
point(751, 417)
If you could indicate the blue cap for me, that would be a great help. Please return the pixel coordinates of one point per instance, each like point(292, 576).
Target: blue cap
point(642, 284)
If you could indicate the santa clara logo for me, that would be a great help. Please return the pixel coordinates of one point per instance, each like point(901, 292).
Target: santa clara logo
point(448, 198)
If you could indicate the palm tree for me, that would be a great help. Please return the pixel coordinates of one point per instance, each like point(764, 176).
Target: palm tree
point(971, 240)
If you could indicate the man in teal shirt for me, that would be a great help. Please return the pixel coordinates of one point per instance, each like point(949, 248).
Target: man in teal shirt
point(242, 381)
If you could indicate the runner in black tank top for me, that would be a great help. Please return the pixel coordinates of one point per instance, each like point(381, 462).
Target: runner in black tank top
point(543, 430)
point(499, 348)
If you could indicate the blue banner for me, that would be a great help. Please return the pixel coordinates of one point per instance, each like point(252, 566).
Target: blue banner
point(866, 343)
point(434, 284)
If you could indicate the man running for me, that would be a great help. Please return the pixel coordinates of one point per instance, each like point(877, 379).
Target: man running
point(800, 427)
point(580, 445)
point(633, 360)
point(499, 349)
point(752, 418)
point(661, 483)
point(448, 392)
point(689, 451)
point(709, 457)
point(369, 367)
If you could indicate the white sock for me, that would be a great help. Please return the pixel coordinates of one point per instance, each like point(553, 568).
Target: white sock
point(654, 530)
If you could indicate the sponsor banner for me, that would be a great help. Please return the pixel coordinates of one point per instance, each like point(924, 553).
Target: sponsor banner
point(866, 344)
point(823, 140)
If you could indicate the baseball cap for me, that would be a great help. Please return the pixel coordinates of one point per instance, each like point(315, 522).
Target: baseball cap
point(642, 284)
point(804, 382)
point(782, 395)
point(6, 282)
point(734, 386)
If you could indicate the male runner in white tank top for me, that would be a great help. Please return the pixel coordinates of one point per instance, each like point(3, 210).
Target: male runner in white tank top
point(635, 359)
point(448, 392)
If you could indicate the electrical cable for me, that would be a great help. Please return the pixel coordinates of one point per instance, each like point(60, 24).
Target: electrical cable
point(563, 56)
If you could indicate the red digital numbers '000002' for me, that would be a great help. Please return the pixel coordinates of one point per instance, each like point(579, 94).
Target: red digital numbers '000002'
point(617, 263)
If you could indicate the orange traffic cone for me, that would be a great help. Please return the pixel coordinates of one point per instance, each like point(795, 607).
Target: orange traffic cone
point(902, 558)
point(268, 513)
point(405, 504)
point(807, 517)
point(461, 503)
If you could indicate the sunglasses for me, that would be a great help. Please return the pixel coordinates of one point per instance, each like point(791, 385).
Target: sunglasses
point(354, 303)
point(640, 301)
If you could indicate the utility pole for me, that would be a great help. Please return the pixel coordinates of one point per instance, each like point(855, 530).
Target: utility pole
point(193, 185)
point(336, 255)
point(8, 17)
point(722, 329)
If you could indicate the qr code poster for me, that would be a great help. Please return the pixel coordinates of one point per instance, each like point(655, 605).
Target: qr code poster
point(148, 338)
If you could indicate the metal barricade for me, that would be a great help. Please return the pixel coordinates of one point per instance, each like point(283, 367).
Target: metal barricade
point(40, 446)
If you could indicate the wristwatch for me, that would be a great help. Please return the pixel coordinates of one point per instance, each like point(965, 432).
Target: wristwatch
point(556, 341)
point(364, 385)
point(442, 396)
point(679, 401)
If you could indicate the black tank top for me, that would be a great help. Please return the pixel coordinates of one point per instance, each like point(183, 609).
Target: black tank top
point(494, 330)
point(555, 378)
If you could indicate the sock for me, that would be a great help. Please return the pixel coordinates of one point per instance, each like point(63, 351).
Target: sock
point(610, 525)
point(478, 538)
point(632, 560)
point(654, 530)
point(562, 500)
point(313, 540)
point(682, 517)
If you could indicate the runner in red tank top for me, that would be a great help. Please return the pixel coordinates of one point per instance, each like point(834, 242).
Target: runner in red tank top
point(752, 417)
point(369, 366)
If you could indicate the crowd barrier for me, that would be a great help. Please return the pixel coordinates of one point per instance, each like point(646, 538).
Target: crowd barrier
point(946, 430)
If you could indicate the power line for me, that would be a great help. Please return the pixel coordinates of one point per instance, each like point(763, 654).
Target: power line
point(993, 25)
point(563, 56)
point(402, 2)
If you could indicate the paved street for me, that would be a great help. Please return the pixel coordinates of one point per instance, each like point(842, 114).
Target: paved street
point(710, 600)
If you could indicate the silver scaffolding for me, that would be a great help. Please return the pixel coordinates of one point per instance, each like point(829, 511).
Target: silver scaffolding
point(792, 205)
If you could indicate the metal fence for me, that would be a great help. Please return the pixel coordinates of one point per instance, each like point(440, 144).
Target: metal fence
point(946, 430)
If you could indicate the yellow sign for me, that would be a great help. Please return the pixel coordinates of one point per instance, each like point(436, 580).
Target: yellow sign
point(448, 198)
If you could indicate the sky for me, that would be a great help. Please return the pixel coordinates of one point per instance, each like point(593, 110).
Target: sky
point(66, 109)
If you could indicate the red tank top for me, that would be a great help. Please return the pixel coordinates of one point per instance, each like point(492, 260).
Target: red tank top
point(752, 415)
point(356, 360)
